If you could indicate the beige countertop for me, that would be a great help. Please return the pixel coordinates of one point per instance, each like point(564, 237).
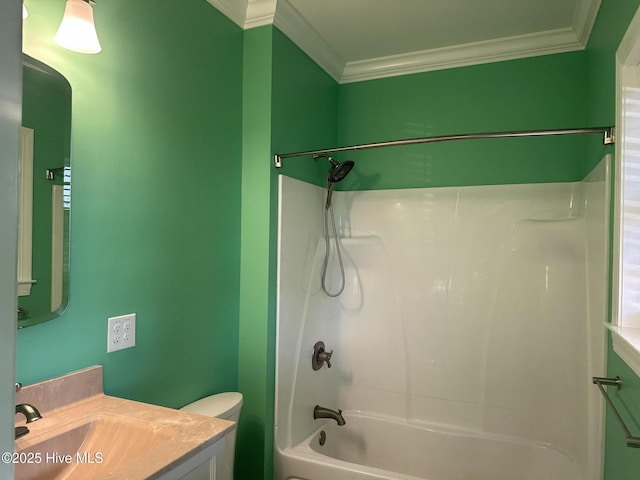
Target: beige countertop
point(92, 435)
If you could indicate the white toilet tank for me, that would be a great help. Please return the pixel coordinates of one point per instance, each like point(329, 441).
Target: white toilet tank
point(223, 405)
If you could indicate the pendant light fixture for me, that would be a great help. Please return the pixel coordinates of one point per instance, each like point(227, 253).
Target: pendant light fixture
point(77, 31)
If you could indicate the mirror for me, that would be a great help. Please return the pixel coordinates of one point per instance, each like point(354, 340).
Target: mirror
point(45, 194)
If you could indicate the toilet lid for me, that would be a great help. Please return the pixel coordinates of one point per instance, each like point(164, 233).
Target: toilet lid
point(222, 405)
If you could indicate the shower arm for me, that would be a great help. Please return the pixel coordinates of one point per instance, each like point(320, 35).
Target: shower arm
point(608, 132)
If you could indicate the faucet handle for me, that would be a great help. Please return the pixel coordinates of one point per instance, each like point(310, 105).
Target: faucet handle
point(18, 386)
point(320, 356)
point(325, 357)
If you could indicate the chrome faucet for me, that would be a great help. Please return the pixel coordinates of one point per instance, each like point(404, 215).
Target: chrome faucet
point(30, 412)
point(321, 412)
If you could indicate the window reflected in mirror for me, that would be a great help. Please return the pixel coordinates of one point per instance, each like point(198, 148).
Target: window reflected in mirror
point(45, 194)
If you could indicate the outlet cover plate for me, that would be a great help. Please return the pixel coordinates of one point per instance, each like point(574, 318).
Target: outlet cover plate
point(121, 332)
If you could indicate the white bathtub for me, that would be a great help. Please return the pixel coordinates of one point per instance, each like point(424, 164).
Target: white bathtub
point(385, 448)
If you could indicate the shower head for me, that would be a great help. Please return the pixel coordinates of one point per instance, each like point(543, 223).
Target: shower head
point(339, 170)
point(336, 173)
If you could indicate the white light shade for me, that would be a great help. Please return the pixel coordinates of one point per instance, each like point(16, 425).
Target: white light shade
point(25, 14)
point(77, 31)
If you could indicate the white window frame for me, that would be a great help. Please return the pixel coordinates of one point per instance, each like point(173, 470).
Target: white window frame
point(25, 214)
point(625, 325)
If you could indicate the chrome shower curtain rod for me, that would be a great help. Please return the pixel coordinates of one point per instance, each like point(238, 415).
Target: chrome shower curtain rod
point(608, 132)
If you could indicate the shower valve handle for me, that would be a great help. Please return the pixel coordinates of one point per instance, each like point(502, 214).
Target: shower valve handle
point(320, 356)
point(325, 357)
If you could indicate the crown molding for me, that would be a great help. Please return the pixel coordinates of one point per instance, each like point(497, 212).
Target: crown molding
point(509, 48)
point(259, 13)
point(585, 18)
point(300, 32)
point(234, 10)
point(247, 13)
point(254, 13)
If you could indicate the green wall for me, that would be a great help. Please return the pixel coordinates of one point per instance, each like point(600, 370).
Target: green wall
point(254, 376)
point(533, 93)
point(621, 462)
point(289, 104)
point(612, 22)
point(305, 100)
point(156, 155)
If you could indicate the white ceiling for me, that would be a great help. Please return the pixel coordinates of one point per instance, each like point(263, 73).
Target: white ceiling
point(363, 39)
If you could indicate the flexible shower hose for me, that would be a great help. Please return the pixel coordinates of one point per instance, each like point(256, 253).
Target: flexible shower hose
point(327, 246)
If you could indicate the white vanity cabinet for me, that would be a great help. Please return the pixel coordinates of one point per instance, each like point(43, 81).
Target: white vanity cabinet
point(205, 465)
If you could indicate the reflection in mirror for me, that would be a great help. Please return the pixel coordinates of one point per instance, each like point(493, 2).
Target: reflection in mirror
point(45, 194)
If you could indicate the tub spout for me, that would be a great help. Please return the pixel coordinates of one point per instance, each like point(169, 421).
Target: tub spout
point(321, 412)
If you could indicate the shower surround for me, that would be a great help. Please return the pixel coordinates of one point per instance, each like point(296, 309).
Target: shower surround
point(464, 342)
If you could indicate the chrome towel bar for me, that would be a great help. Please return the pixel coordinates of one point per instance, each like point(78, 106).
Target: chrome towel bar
point(601, 382)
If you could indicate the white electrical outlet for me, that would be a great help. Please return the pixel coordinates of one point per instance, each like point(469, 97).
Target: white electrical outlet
point(121, 332)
